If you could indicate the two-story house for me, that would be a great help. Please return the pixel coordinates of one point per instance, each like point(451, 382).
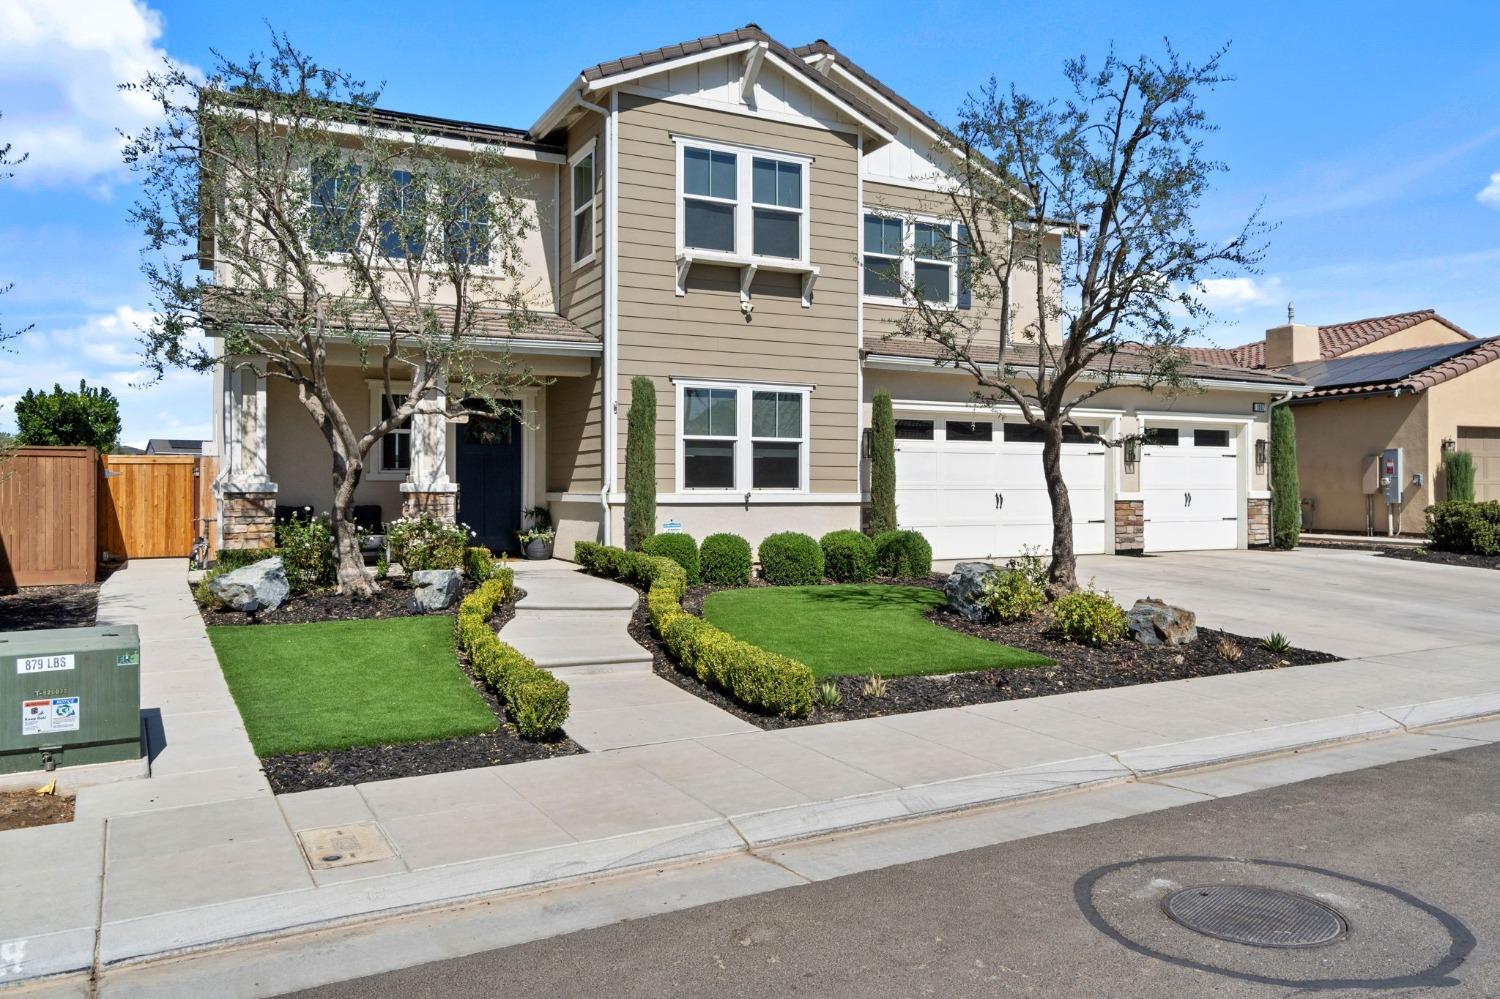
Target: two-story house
point(721, 216)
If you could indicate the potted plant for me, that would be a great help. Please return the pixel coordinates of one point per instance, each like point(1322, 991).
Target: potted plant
point(536, 540)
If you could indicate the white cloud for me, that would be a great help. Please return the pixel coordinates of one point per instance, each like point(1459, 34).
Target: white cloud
point(60, 67)
point(1490, 195)
point(104, 351)
point(1238, 293)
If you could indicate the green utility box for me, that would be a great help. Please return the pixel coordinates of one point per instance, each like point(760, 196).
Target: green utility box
point(69, 696)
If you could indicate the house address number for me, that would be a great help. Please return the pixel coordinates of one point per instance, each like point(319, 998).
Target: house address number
point(44, 664)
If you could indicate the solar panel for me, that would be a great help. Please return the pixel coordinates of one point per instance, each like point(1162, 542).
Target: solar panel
point(1374, 369)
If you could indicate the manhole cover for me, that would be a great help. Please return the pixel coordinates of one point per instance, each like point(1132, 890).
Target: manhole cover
point(1259, 917)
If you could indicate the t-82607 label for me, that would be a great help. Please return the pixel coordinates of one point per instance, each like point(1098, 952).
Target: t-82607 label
point(44, 664)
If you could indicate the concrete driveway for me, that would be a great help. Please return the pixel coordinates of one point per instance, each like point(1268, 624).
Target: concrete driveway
point(1349, 603)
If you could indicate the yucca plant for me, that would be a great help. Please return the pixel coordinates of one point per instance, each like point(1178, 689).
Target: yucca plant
point(1276, 643)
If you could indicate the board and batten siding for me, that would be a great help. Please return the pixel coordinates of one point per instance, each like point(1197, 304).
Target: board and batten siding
point(704, 334)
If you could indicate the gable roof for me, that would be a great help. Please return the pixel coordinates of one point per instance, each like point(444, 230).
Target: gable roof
point(1333, 341)
point(1396, 372)
point(821, 47)
point(601, 72)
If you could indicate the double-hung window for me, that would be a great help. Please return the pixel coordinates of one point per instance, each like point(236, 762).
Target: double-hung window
point(334, 218)
point(402, 217)
point(582, 174)
point(742, 202)
point(469, 229)
point(395, 447)
point(921, 257)
point(738, 438)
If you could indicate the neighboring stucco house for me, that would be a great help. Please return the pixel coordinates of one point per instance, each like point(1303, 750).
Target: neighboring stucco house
point(1413, 381)
point(720, 216)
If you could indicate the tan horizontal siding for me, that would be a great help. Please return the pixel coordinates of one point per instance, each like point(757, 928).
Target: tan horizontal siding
point(574, 429)
point(582, 288)
point(704, 334)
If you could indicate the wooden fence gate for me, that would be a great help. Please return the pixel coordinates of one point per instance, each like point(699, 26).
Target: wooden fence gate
point(149, 505)
point(47, 516)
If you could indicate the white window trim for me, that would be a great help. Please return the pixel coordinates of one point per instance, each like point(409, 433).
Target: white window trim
point(744, 205)
point(909, 258)
point(592, 205)
point(744, 442)
point(377, 472)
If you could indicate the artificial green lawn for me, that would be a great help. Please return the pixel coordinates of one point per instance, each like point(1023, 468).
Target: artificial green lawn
point(857, 630)
point(337, 684)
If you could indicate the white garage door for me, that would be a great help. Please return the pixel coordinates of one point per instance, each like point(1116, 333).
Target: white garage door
point(975, 488)
point(1190, 483)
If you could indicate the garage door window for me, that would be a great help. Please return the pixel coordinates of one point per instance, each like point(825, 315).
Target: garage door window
point(913, 430)
point(1210, 438)
point(971, 431)
point(1026, 433)
point(1162, 436)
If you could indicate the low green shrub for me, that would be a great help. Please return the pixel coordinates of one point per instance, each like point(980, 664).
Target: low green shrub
point(479, 565)
point(1012, 595)
point(750, 674)
point(1090, 617)
point(791, 559)
point(537, 700)
point(680, 548)
point(1465, 528)
point(427, 543)
point(848, 557)
point(1030, 564)
point(902, 553)
point(230, 559)
point(724, 560)
point(306, 548)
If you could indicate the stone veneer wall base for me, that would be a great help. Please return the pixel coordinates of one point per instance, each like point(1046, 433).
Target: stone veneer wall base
point(1258, 519)
point(1130, 527)
point(442, 506)
point(248, 520)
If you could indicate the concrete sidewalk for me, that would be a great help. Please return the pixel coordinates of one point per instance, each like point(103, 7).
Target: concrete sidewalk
point(217, 859)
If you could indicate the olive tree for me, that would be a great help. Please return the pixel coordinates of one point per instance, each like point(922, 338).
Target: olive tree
point(328, 224)
point(7, 159)
point(1076, 243)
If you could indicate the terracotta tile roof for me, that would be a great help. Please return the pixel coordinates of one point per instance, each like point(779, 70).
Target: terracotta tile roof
point(1404, 371)
point(1333, 341)
point(1022, 355)
point(750, 32)
point(220, 307)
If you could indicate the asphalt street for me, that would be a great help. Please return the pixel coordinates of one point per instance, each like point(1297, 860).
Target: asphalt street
point(1408, 854)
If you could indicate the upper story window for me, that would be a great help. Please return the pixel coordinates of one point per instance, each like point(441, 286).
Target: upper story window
point(469, 232)
point(582, 174)
point(923, 256)
point(402, 211)
point(742, 202)
point(335, 221)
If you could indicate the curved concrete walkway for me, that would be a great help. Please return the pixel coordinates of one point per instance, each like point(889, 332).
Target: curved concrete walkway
point(575, 625)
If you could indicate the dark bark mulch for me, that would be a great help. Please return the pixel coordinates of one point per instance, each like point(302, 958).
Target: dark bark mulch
point(37, 607)
point(336, 768)
point(393, 599)
point(1411, 553)
point(1078, 667)
point(24, 809)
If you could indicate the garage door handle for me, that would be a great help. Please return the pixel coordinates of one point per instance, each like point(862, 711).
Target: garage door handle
point(1187, 499)
point(1229, 518)
point(1099, 521)
point(999, 501)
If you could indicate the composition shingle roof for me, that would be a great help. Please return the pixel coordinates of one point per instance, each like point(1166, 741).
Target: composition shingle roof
point(749, 33)
point(1415, 369)
point(1333, 341)
point(223, 307)
point(1021, 355)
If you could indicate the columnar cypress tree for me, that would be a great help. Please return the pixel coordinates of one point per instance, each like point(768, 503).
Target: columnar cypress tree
point(882, 465)
point(1458, 476)
point(640, 463)
point(1286, 491)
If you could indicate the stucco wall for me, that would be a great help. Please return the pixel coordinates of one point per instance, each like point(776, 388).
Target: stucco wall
point(1334, 438)
point(1427, 333)
point(1470, 400)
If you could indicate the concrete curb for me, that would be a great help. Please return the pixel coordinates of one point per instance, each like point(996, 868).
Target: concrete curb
point(159, 936)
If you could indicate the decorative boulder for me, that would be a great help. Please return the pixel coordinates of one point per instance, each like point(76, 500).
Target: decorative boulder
point(1154, 622)
point(259, 586)
point(435, 590)
point(965, 586)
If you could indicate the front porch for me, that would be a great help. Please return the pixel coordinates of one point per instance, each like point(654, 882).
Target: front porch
point(478, 471)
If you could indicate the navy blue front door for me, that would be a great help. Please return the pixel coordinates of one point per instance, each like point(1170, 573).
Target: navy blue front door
point(489, 478)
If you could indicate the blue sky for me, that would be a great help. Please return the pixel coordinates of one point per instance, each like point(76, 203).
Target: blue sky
point(1368, 129)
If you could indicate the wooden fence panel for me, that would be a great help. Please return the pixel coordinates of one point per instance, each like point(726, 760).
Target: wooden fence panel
point(147, 504)
point(47, 526)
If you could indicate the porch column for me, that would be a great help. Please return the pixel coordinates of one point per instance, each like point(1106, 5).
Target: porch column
point(427, 488)
point(247, 496)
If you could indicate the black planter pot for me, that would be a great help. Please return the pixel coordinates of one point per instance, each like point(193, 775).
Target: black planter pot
point(537, 549)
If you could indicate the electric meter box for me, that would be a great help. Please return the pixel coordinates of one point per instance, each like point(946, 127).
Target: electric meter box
point(69, 696)
point(1392, 474)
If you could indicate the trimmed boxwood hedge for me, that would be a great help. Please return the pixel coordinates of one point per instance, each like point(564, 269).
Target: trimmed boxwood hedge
point(680, 548)
point(902, 553)
point(724, 560)
point(750, 674)
point(1465, 528)
point(848, 557)
point(537, 700)
point(791, 559)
